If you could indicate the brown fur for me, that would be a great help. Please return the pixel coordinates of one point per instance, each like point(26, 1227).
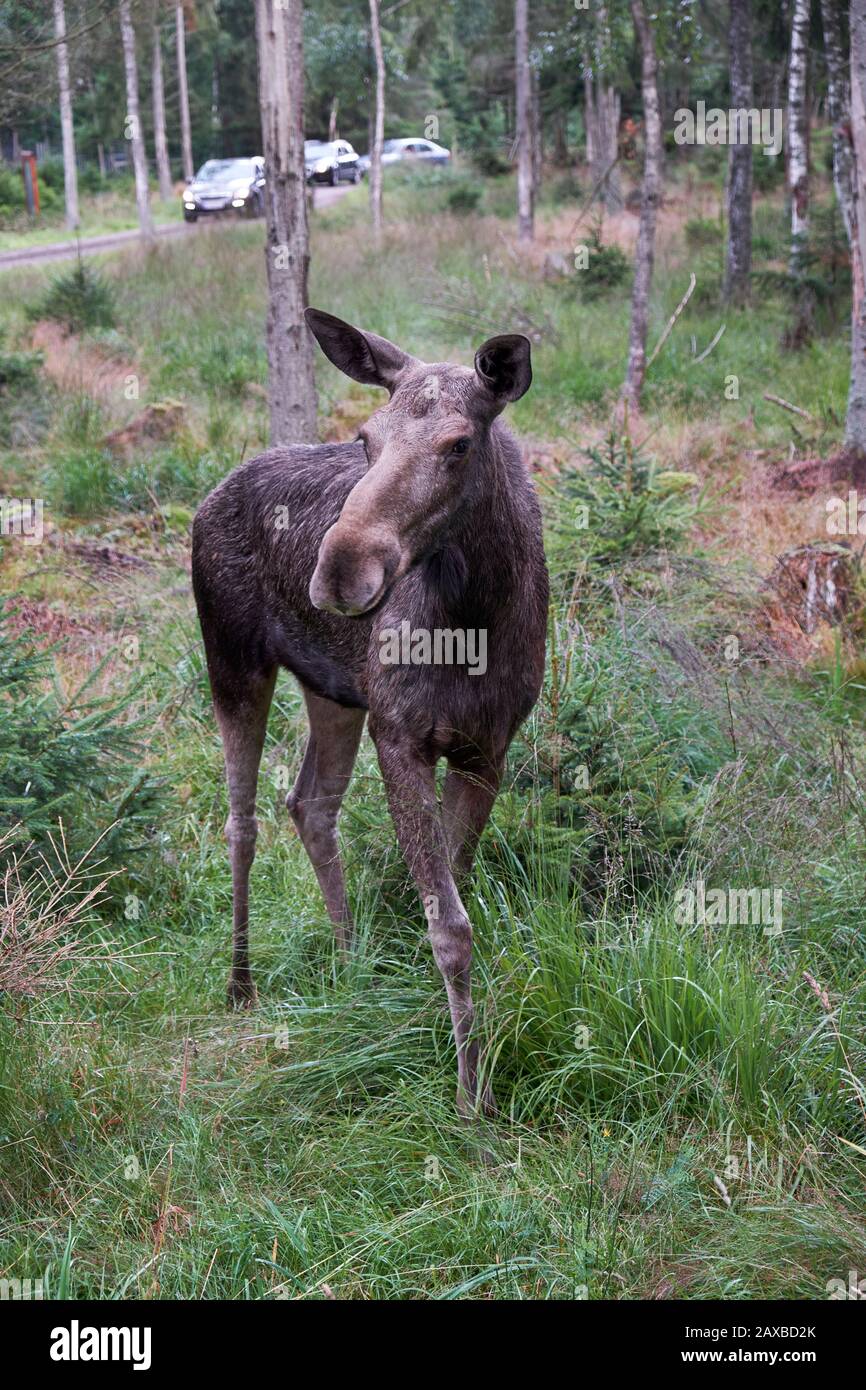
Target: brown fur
point(302, 557)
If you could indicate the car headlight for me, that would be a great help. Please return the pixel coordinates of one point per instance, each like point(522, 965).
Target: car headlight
point(323, 166)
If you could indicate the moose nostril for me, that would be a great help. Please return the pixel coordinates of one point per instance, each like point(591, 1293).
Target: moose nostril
point(350, 579)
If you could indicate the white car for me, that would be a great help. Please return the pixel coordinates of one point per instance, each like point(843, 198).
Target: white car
point(393, 151)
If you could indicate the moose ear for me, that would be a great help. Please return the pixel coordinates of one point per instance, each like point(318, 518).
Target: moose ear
point(362, 356)
point(503, 365)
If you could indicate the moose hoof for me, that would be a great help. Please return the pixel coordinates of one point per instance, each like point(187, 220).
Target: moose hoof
point(241, 994)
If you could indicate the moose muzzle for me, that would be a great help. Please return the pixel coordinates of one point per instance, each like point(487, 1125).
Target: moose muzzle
point(353, 572)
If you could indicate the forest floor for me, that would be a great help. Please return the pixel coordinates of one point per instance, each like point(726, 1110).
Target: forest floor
point(682, 1100)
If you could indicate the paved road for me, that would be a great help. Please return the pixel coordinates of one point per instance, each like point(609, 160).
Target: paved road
point(113, 241)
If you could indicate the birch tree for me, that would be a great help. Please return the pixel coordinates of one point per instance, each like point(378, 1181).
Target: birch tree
point(855, 429)
point(378, 122)
point(798, 133)
point(134, 132)
point(291, 390)
point(523, 134)
point(738, 264)
point(160, 144)
point(839, 110)
point(650, 199)
point(70, 172)
point(183, 93)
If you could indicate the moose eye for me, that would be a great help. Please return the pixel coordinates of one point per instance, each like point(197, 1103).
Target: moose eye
point(460, 447)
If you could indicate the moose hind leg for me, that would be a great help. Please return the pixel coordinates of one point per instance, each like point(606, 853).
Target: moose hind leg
point(314, 801)
point(243, 721)
point(470, 790)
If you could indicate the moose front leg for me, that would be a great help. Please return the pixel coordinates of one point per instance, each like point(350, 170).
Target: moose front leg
point(243, 723)
point(411, 790)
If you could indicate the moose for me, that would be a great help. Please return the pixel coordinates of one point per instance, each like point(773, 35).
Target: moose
point(305, 556)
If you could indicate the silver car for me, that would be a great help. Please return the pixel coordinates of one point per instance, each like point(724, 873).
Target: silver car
point(221, 185)
point(393, 151)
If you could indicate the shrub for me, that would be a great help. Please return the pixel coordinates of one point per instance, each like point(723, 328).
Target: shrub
point(620, 506)
point(11, 192)
point(78, 299)
point(767, 173)
point(18, 369)
point(23, 397)
point(702, 231)
point(75, 758)
point(567, 188)
point(81, 482)
point(464, 197)
point(50, 173)
point(607, 267)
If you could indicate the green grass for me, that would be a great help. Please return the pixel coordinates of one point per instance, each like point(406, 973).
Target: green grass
point(101, 213)
point(681, 1114)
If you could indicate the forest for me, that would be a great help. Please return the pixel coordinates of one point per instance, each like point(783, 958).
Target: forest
point(661, 1073)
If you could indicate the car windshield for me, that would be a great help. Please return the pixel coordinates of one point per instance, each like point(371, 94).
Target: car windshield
point(314, 149)
point(226, 170)
point(390, 146)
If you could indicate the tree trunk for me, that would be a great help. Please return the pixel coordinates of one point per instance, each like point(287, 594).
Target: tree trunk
point(332, 118)
point(523, 94)
point(839, 111)
point(537, 134)
point(609, 106)
point(133, 122)
point(378, 125)
point(855, 428)
point(590, 118)
point(603, 106)
point(291, 390)
point(70, 172)
point(560, 140)
point(651, 197)
point(163, 168)
point(183, 94)
point(738, 266)
point(798, 134)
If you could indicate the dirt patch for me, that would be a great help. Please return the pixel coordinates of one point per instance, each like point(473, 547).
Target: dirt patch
point(810, 474)
point(52, 625)
point(104, 559)
point(156, 423)
point(78, 366)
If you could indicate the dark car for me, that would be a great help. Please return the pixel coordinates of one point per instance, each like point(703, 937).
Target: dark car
point(330, 161)
point(221, 185)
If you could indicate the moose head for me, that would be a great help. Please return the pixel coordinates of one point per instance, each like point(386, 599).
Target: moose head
point(425, 448)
